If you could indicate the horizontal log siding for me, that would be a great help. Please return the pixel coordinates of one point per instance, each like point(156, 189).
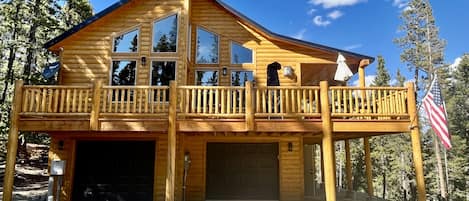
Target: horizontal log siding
point(208, 15)
point(67, 154)
point(88, 53)
point(290, 163)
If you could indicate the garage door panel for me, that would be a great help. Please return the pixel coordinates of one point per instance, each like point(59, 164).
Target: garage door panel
point(114, 170)
point(242, 171)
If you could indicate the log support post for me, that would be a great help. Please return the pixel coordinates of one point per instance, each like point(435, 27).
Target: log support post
point(368, 171)
point(415, 138)
point(327, 144)
point(348, 166)
point(171, 163)
point(12, 147)
point(250, 124)
point(95, 107)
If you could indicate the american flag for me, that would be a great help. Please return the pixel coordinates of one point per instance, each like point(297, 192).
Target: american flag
point(435, 107)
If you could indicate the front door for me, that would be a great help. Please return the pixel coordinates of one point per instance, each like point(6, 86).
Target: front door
point(242, 171)
point(114, 171)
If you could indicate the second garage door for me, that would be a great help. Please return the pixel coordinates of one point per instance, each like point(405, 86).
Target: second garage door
point(242, 171)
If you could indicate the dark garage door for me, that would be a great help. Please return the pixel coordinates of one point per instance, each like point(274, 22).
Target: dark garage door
point(114, 171)
point(242, 171)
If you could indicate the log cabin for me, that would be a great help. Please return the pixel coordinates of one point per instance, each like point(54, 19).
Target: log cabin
point(169, 100)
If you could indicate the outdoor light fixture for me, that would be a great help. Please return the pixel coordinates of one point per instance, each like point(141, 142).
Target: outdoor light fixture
point(225, 71)
point(290, 147)
point(144, 61)
point(61, 145)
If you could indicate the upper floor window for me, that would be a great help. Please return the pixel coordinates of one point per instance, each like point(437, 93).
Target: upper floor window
point(240, 54)
point(206, 77)
point(165, 34)
point(127, 42)
point(123, 73)
point(207, 47)
point(162, 72)
point(239, 78)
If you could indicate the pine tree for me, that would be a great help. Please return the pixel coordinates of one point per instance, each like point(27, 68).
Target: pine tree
point(423, 50)
point(400, 78)
point(75, 12)
point(382, 78)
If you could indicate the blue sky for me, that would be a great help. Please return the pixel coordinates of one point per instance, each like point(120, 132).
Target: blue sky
point(362, 26)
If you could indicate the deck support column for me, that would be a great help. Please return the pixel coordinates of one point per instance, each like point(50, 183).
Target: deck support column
point(361, 72)
point(250, 126)
point(369, 174)
point(348, 166)
point(12, 147)
point(327, 144)
point(94, 117)
point(171, 161)
point(415, 137)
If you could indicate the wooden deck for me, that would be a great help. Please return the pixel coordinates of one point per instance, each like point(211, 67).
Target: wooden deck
point(353, 110)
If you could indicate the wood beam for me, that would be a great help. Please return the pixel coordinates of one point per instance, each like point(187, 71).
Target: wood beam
point(250, 124)
point(12, 147)
point(171, 163)
point(348, 166)
point(327, 144)
point(94, 117)
point(368, 171)
point(415, 138)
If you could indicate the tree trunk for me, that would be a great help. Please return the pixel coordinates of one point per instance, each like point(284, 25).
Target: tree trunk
point(31, 57)
point(11, 58)
point(441, 175)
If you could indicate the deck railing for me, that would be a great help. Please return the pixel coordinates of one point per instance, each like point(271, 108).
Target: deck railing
point(56, 100)
point(219, 102)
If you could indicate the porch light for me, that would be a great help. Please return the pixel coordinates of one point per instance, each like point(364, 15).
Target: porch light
point(224, 71)
point(144, 61)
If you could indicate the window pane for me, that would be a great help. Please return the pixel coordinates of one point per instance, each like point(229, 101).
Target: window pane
point(207, 47)
point(123, 73)
point(239, 78)
point(207, 78)
point(240, 54)
point(162, 72)
point(165, 34)
point(127, 42)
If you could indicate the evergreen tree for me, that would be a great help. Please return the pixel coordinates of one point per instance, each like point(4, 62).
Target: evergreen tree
point(400, 78)
point(75, 12)
point(382, 78)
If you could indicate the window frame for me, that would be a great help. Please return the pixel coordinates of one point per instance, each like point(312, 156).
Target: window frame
point(123, 59)
point(162, 60)
point(207, 69)
point(126, 31)
point(231, 53)
point(178, 15)
point(242, 70)
point(196, 49)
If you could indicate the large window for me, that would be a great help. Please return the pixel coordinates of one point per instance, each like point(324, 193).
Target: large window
point(239, 78)
point(207, 47)
point(165, 34)
point(162, 72)
point(127, 42)
point(240, 54)
point(123, 73)
point(206, 77)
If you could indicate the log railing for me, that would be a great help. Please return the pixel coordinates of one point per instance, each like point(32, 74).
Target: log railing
point(247, 103)
point(134, 100)
point(287, 102)
point(376, 102)
point(56, 100)
point(212, 101)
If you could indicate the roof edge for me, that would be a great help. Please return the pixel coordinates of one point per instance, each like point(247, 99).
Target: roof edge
point(85, 23)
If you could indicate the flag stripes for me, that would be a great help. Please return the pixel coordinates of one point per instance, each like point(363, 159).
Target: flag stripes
point(435, 109)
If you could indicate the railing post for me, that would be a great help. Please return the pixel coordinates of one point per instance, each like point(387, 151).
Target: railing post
point(12, 147)
point(415, 138)
point(171, 163)
point(96, 105)
point(250, 125)
point(327, 143)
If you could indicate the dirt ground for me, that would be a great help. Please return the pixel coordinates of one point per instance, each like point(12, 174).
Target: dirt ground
point(31, 176)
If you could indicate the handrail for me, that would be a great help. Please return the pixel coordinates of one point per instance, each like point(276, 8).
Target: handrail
point(230, 102)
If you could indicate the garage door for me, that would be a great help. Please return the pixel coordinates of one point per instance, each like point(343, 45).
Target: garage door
point(242, 171)
point(116, 170)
